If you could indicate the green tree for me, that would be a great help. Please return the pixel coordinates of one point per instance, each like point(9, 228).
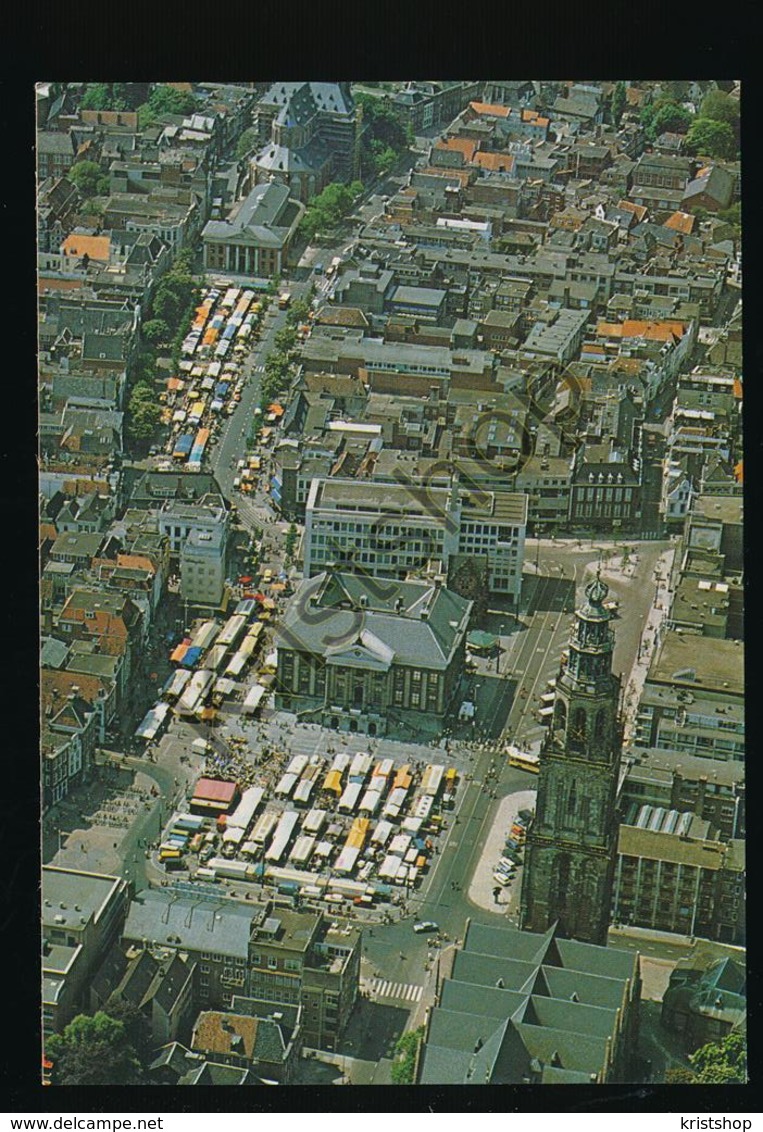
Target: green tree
point(618, 102)
point(721, 108)
point(327, 209)
point(94, 1050)
point(97, 96)
point(155, 331)
point(404, 1064)
point(291, 540)
point(711, 138)
point(676, 91)
point(298, 313)
point(143, 413)
point(679, 1075)
point(246, 143)
point(106, 96)
point(164, 100)
point(136, 1024)
point(671, 118)
point(285, 339)
point(85, 175)
point(723, 1062)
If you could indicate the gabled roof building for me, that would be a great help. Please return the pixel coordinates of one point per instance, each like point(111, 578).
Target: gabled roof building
point(527, 1008)
point(371, 654)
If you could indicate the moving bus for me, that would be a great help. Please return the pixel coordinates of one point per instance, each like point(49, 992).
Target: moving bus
point(523, 761)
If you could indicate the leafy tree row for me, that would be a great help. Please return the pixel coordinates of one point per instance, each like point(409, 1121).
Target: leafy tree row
point(168, 315)
point(404, 1065)
point(386, 134)
point(329, 207)
point(109, 96)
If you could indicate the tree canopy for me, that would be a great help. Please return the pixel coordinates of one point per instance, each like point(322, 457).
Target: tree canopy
point(671, 118)
point(94, 1050)
point(165, 99)
point(246, 143)
point(386, 134)
point(156, 331)
point(664, 115)
point(711, 138)
point(723, 1062)
point(143, 412)
point(327, 209)
point(86, 175)
point(721, 108)
point(107, 96)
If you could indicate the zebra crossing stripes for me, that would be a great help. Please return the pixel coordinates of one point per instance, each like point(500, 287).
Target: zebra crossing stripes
point(407, 992)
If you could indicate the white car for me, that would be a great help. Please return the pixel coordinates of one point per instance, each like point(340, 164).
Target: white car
point(426, 926)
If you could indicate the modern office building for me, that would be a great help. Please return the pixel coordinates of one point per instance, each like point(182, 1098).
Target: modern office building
point(397, 530)
point(82, 916)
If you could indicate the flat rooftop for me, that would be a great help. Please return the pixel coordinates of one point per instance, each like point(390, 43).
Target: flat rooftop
point(703, 663)
point(655, 765)
point(727, 508)
point(75, 896)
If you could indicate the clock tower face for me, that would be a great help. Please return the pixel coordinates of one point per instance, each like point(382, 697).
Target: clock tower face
point(572, 842)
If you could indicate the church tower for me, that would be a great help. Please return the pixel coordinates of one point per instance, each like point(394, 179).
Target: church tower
point(571, 844)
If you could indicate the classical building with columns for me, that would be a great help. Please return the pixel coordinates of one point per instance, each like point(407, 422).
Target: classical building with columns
point(254, 239)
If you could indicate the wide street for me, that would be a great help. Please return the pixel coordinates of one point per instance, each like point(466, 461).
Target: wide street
point(233, 440)
point(507, 690)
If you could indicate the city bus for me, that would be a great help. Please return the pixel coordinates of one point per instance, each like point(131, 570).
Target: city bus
point(523, 760)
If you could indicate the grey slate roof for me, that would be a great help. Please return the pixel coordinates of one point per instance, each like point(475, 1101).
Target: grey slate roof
point(260, 215)
point(524, 1007)
point(193, 925)
point(337, 624)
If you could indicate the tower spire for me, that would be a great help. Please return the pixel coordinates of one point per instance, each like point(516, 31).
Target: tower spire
point(572, 842)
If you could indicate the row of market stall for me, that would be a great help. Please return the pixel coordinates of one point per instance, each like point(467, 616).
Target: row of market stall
point(211, 664)
point(351, 819)
point(209, 380)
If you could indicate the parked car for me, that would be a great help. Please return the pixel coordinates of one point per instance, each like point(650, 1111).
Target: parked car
point(502, 879)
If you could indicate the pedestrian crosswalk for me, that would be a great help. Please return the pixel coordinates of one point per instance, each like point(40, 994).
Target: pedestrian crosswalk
point(407, 992)
point(258, 369)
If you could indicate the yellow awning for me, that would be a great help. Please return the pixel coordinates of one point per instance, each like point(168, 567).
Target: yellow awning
point(333, 781)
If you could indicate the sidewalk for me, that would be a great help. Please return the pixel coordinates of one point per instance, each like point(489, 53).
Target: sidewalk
point(649, 642)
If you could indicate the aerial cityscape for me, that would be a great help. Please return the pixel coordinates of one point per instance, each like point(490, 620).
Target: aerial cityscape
point(391, 583)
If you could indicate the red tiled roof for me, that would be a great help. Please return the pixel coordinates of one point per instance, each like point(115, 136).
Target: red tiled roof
point(460, 145)
point(215, 790)
point(490, 109)
point(681, 222)
point(495, 162)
